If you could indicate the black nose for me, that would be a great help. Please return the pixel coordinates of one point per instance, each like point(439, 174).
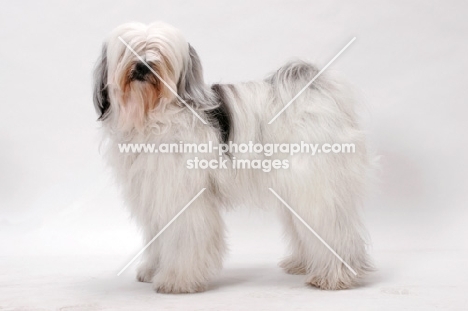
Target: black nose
point(140, 72)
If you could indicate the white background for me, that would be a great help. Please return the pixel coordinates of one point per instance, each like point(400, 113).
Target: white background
point(64, 232)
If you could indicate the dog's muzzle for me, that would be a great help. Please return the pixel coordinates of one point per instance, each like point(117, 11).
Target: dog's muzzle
point(140, 72)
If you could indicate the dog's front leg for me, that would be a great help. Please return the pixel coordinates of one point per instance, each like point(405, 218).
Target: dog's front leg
point(191, 249)
point(150, 262)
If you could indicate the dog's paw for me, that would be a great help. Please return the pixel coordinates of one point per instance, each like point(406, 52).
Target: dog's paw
point(336, 279)
point(172, 287)
point(340, 277)
point(145, 275)
point(330, 283)
point(293, 266)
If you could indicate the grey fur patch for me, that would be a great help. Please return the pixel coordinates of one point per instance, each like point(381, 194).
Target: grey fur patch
point(221, 117)
point(191, 86)
point(100, 93)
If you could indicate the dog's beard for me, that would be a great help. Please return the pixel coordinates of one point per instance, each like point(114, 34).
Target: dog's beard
point(138, 99)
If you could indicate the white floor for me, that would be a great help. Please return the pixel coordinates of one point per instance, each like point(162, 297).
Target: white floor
point(405, 281)
point(71, 262)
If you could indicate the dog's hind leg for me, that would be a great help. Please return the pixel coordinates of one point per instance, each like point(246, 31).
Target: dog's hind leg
point(327, 203)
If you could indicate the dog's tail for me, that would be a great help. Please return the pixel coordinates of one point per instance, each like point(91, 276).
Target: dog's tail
point(299, 80)
point(295, 71)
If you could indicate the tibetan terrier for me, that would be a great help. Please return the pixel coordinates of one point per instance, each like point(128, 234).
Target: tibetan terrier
point(149, 89)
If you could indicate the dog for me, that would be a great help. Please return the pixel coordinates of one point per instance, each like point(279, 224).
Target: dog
point(153, 92)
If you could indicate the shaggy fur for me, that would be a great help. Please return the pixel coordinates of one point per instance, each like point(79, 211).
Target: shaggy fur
point(324, 189)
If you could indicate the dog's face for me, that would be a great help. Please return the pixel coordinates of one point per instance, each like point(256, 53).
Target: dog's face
point(128, 88)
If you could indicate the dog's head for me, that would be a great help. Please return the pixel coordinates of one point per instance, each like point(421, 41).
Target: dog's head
point(140, 69)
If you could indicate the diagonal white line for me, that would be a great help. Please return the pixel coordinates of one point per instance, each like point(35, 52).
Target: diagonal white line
point(165, 83)
point(160, 232)
point(311, 81)
point(315, 233)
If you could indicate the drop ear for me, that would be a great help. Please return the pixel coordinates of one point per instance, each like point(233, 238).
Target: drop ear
point(100, 94)
point(191, 86)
